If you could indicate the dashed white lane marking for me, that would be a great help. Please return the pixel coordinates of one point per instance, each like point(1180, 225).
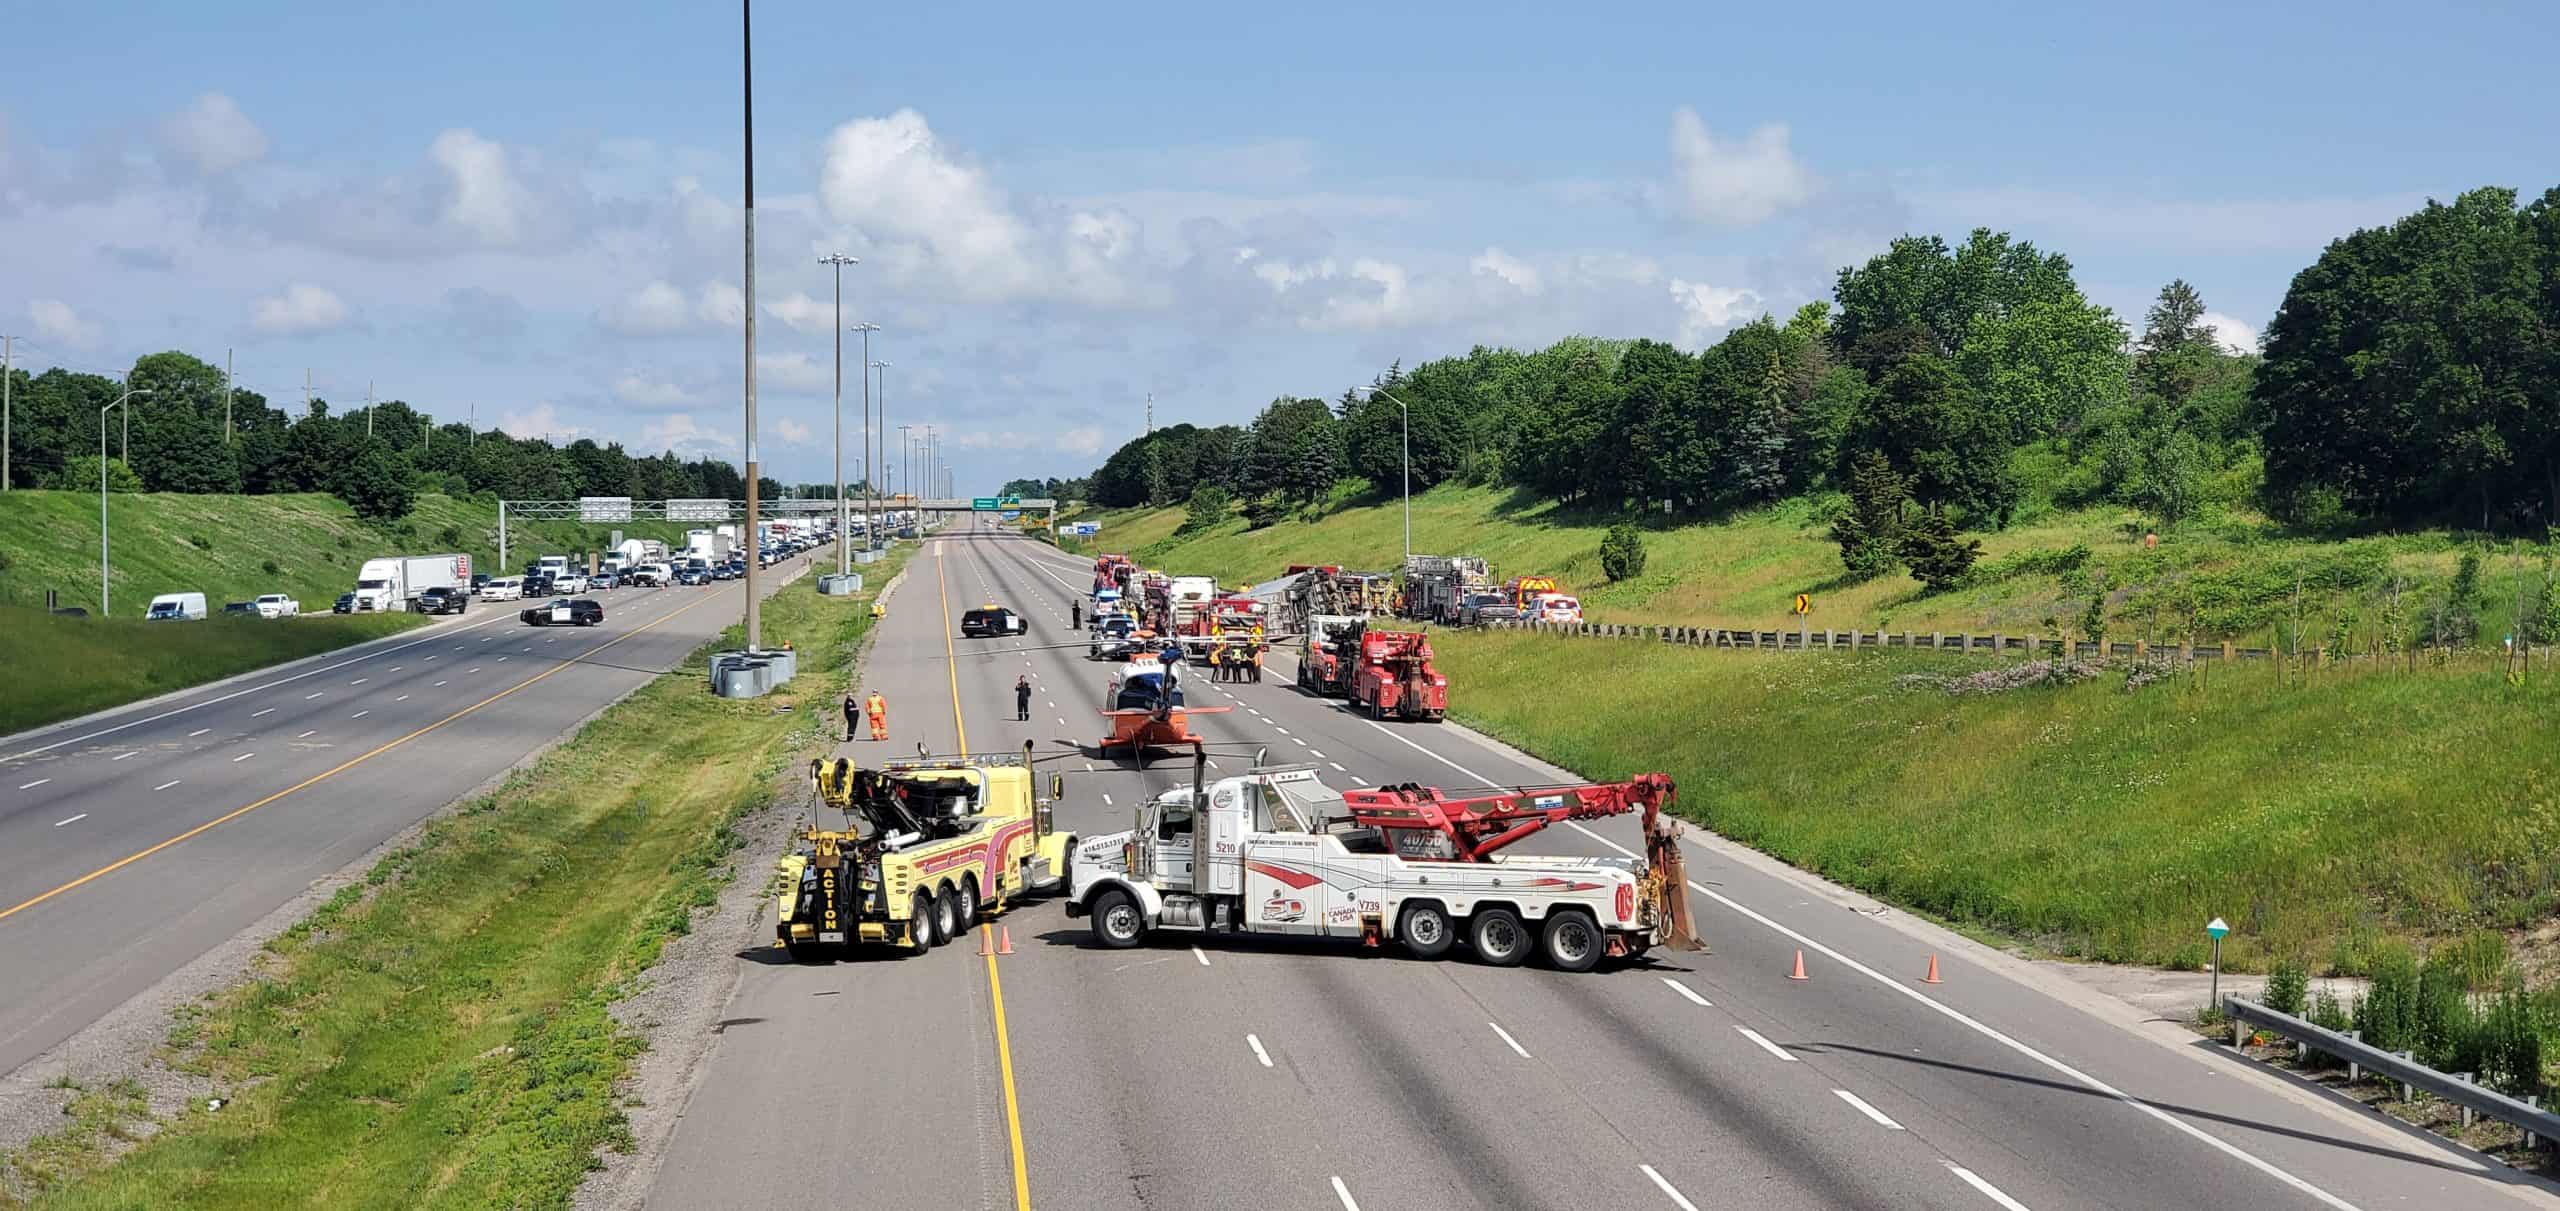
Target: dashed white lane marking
point(198, 732)
point(1319, 753)
point(1337, 767)
point(360, 681)
point(170, 783)
point(1301, 743)
point(395, 668)
point(1988, 1190)
point(430, 657)
point(242, 757)
point(1062, 721)
point(1277, 728)
point(307, 735)
point(1507, 1039)
point(473, 669)
point(309, 697)
point(1201, 955)
point(1343, 1192)
point(1258, 1052)
point(1106, 800)
point(502, 660)
point(1867, 1110)
point(1765, 1045)
point(437, 686)
point(122, 756)
point(32, 785)
point(1686, 991)
point(401, 698)
point(360, 714)
point(71, 820)
point(1088, 767)
point(1669, 1191)
point(268, 711)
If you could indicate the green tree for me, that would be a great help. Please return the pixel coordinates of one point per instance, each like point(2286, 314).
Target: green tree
point(1622, 552)
point(1938, 558)
point(374, 482)
point(81, 475)
point(1209, 505)
point(1869, 530)
point(1293, 451)
point(1925, 420)
point(2045, 364)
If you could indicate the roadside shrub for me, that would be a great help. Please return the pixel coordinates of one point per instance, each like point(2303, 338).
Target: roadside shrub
point(2479, 959)
point(2511, 1036)
point(1622, 552)
point(2328, 1013)
point(2387, 1013)
point(1869, 529)
point(2059, 561)
point(199, 542)
point(1267, 509)
point(450, 536)
point(2287, 984)
point(271, 568)
point(1209, 505)
point(1938, 558)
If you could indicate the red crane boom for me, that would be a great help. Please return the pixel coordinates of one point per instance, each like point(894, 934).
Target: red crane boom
point(1478, 826)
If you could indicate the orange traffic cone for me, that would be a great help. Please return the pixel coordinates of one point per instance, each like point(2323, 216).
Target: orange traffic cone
point(986, 941)
point(1004, 944)
point(1932, 977)
point(1798, 973)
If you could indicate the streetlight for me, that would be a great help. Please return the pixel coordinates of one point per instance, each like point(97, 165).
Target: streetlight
point(872, 532)
point(747, 122)
point(866, 328)
point(907, 475)
point(105, 605)
point(843, 554)
point(1407, 414)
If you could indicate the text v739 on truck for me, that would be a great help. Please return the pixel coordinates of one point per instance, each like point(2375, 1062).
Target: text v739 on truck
point(1276, 851)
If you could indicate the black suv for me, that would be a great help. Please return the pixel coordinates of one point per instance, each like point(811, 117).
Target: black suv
point(993, 620)
point(442, 600)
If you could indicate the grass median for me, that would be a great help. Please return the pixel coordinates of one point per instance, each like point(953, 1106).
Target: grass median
point(437, 1034)
point(61, 668)
point(2318, 816)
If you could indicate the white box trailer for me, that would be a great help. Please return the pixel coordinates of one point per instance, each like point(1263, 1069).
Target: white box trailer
point(394, 581)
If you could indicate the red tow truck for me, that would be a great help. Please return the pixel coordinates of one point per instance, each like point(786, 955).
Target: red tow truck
point(1395, 677)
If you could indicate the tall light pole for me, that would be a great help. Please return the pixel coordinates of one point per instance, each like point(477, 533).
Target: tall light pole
point(844, 554)
point(747, 80)
point(104, 604)
point(1407, 414)
point(871, 533)
point(907, 474)
point(866, 328)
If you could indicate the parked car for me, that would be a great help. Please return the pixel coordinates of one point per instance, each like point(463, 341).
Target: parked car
point(442, 599)
point(277, 605)
point(990, 621)
point(1476, 609)
point(503, 588)
point(346, 604)
point(567, 611)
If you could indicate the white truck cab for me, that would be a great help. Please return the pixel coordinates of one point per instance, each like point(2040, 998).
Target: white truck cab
point(1277, 851)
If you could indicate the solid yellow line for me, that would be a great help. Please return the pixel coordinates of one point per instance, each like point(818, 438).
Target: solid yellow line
point(350, 763)
point(995, 985)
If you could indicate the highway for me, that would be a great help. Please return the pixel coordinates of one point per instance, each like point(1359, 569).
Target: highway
point(1233, 1074)
point(134, 841)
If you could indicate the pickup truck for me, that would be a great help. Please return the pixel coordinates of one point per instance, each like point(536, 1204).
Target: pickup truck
point(277, 605)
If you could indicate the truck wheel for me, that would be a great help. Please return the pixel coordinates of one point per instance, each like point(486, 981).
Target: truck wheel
point(920, 932)
point(1117, 923)
point(1499, 937)
point(968, 894)
point(1425, 931)
point(947, 921)
point(1377, 709)
point(1574, 942)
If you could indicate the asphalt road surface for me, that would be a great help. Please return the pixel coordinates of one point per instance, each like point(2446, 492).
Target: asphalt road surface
point(136, 840)
point(1306, 1075)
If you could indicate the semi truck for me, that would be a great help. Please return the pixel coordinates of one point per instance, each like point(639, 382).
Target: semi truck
point(709, 546)
point(393, 581)
point(1276, 851)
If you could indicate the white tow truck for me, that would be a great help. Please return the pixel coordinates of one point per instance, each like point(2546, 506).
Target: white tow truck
point(1276, 851)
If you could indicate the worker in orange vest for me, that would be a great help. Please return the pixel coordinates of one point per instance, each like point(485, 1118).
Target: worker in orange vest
point(878, 708)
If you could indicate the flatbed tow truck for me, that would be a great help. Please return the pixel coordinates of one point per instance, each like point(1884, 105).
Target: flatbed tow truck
point(1276, 851)
point(930, 846)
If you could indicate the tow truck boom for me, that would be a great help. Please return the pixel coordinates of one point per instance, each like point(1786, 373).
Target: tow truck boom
point(1478, 826)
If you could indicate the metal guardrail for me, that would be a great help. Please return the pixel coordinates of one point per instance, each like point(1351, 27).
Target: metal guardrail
point(2540, 1126)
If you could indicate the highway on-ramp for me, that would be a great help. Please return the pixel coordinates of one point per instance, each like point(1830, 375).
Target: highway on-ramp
point(1253, 1074)
point(134, 841)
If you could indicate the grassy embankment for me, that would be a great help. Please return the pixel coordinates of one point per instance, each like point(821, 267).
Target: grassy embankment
point(2235, 576)
point(60, 667)
point(230, 548)
point(2318, 816)
point(437, 1035)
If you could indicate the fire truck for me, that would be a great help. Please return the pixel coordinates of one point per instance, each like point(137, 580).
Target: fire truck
point(1276, 851)
point(1394, 676)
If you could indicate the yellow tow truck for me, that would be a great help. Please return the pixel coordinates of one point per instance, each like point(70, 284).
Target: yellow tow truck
point(930, 846)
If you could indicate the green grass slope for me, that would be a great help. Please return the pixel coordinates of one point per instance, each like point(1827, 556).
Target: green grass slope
point(2086, 819)
point(224, 546)
point(60, 668)
point(2239, 576)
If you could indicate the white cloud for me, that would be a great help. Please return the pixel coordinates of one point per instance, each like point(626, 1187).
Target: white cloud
point(794, 372)
point(542, 420)
point(655, 309)
point(214, 135)
point(301, 308)
point(485, 199)
point(1509, 268)
point(891, 178)
point(647, 392)
point(2236, 336)
point(59, 322)
point(2208, 225)
point(993, 439)
point(1706, 310)
point(801, 312)
point(722, 303)
point(1732, 184)
point(1085, 441)
point(792, 432)
point(678, 433)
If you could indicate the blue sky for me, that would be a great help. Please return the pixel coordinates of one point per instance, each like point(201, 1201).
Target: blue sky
point(531, 209)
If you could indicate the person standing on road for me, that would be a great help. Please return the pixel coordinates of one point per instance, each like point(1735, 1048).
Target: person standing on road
point(878, 708)
point(848, 716)
point(1075, 615)
point(1022, 698)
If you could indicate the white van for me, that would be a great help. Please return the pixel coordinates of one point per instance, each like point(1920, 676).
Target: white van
point(176, 607)
point(1555, 607)
point(503, 588)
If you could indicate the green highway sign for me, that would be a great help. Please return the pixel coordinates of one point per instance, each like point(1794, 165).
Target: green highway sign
point(982, 502)
point(1008, 502)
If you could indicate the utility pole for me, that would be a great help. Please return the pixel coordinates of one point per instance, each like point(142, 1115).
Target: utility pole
point(872, 531)
point(747, 79)
point(474, 439)
point(226, 397)
point(906, 474)
point(844, 554)
point(1151, 412)
point(8, 383)
point(368, 411)
point(866, 328)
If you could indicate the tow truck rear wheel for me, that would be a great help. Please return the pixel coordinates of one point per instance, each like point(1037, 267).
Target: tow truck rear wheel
point(968, 893)
point(1117, 923)
point(1574, 942)
point(946, 916)
point(920, 932)
point(1425, 931)
point(1499, 937)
